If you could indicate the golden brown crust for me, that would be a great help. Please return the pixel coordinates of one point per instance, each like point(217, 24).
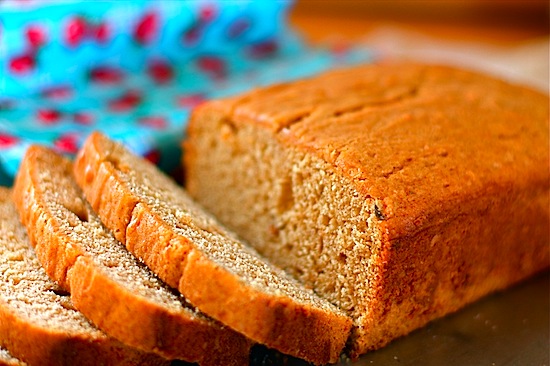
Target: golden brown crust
point(41, 346)
point(38, 344)
point(242, 307)
point(456, 162)
point(300, 330)
point(115, 309)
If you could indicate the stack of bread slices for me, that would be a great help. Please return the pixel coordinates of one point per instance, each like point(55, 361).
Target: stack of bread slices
point(107, 261)
point(144, 295)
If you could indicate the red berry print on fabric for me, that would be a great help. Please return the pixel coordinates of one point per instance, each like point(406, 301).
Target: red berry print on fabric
point(191, 100)
point(57, 92)
point(192, 35)
point(126, 102)
point(36, 36)
point(153, 156)
point(146, 28)
point(160, 71)
point(263, 49)
point(67, 143)
point(156, 122)
point(83, 118)
point(101, 33)
point(106, 75)
point(213, 66)
point(238, 27)
point(23, 64)
point(7, 141)
point(48, 116)
point(75, 31)
point(207, 14)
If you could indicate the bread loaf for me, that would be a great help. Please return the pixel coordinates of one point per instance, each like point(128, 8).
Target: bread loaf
point(399, 192)
point(38, 323)
point(189, 250)
point(107, 283)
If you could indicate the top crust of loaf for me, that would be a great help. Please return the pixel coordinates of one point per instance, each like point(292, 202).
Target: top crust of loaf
point(107, 283)
point(436, 121)
point(191, 251)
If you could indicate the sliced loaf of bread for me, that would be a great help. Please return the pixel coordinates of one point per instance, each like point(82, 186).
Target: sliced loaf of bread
point(107, 283)
point(400, 192)
point(189, 250)
point(38, 323)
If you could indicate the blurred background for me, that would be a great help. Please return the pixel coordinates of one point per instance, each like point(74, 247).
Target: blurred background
point(494, 21)
point(509, 39)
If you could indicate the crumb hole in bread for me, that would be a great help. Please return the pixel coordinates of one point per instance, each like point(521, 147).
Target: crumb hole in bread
point(379, 213)
point(343, 258)
point(273, 230)
point(286, 196)
point(324, 220)
point(227, 129)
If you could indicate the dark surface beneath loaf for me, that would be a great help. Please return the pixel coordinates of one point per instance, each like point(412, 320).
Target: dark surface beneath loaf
point(505, 329)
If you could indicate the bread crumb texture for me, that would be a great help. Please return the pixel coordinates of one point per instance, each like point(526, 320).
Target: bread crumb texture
point(27, 290)
point(107, 283)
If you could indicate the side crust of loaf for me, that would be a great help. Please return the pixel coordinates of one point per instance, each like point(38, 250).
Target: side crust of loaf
point(171, 333)
point(42, 341)
point(300, 330)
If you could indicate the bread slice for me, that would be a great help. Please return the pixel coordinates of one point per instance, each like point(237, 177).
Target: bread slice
point(400, 192)
point(107, 283)
point(38, 323)
point(6, 359)
point(189, 250)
